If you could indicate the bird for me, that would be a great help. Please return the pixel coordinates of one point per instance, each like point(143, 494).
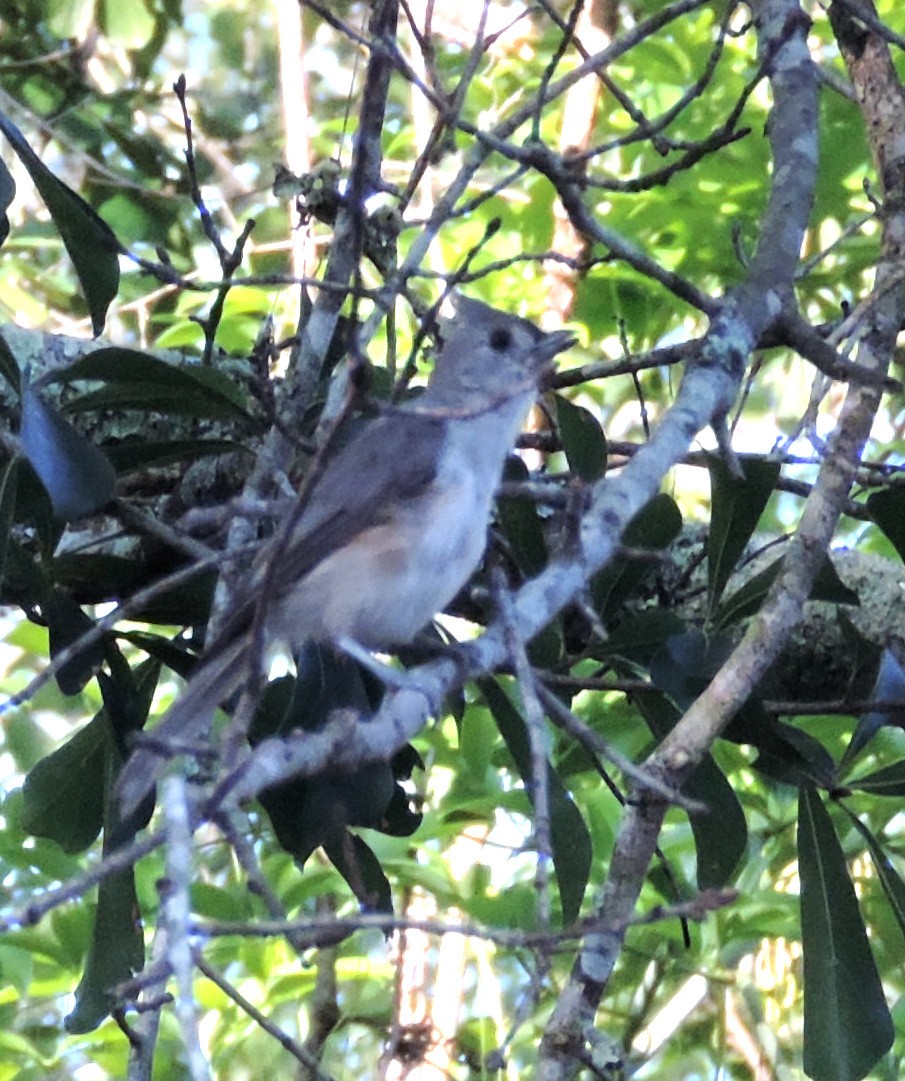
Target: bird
point(390, 531)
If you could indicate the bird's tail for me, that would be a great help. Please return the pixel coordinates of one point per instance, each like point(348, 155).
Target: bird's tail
point(187, 721)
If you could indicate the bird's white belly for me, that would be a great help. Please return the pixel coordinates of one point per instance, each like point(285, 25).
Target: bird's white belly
point(385, 586)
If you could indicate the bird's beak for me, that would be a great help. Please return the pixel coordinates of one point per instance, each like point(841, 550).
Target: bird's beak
point(556, 341)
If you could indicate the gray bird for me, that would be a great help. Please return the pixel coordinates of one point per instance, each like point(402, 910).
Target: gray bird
point(393, 528)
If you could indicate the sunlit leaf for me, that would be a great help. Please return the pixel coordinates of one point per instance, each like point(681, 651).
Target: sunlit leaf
point(582, 439)
point(64, 793)
point(90, 242)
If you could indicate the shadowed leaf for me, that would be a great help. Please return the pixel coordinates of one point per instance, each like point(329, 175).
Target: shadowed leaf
point(847, 1026)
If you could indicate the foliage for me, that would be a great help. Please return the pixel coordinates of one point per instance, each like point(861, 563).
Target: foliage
point(720, 278)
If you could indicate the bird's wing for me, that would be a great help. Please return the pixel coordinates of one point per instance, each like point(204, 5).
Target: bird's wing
point(392, 459)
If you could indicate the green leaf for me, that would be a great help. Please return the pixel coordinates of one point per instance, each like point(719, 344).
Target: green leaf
point(362, 871)
point(889, 781)
point(738, 504)
point(7, 194)
point(70, 18)
point(640, 637)
point(311, 812)
point(569, 836)
point(787, 754)
point(887, 509)
point(77, 475)
point(9, 484)
point(189, 603)
point(888, 687)
point(139, 380)
point(128, 23)
point(139, 454)
point(847, 1025)
point(97, 576)
point(116, 953)
point(686, 663)
point(721, 833)
point(9, 367)
point(521, 523)
point(654, 527)
point(172, 653)
point(891, 881)
point(63, 796)
point(117, 949)
point(66, 623)
point(92, 246)
point(582, 439)
point(747, 599)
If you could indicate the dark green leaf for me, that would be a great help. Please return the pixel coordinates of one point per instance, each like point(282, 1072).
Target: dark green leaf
point(521, 524)
point(7, 194)
point(863, 653)
point(24, 580)
point(738, 504)
point(9, 483)
point(140, 455)
point(66, 623)
point(746, 600)
point(889, 781)
point(887, 509)
point(890, 879)
point(97, 576)
point(326, 681)
point(640, 637)
point(889, 687)
point(654, 527)
point(172, 653)
point(78, 477)
point(847, 1026)
point(92, 246)
point(127, 695)
point(141, 380)
point(569, 836)
point(9, 369)
point(63, 796)
point(829, 587)
point(362, 871)
point(310, 812)
point(787, 754)
point(116, 953)
point(189, 603)
point(721, 834)
point(582, 439)
point(546, 648)
point(117, 945)
point(686, 663)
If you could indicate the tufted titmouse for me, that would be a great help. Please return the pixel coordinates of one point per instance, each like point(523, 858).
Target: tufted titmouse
point(392, 529)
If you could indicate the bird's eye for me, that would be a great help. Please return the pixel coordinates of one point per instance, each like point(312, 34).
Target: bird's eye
point(500, 338)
